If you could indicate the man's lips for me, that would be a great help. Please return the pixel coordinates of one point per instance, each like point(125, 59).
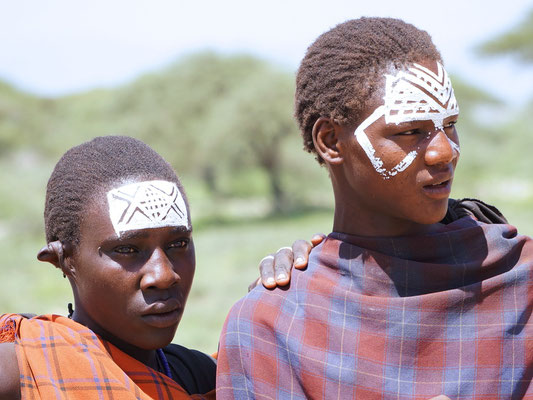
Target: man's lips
point(163, 313)
point(439, 187)
point(163, 306)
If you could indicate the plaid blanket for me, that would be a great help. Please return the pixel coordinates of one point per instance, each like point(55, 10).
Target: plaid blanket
point(61, 359)
point(391, 318)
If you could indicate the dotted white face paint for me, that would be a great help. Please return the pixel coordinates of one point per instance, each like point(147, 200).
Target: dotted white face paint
point(415, 94)
point(149, 204)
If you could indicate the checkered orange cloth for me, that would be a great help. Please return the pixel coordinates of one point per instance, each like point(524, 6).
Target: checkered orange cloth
point(61, 359)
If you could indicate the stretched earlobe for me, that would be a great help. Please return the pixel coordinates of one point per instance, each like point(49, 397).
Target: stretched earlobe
point(325, 138)
point(51, 253)
point(54, 253)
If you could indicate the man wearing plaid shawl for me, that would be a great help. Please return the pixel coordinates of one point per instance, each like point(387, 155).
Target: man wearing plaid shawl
point(397, 302)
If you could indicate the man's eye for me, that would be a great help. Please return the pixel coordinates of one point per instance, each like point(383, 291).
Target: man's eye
point(410, 132)
point(179, 244)
point(125, 249)
point(450, 124)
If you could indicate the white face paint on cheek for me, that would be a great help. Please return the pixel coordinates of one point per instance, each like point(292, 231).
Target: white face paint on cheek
point(149, 204)
point(417, 94)
point(369, 150)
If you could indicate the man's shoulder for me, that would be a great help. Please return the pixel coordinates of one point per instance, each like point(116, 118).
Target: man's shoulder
point(263, 311)
point(261, 303)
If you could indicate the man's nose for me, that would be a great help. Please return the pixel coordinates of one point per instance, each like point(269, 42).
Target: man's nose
point(439, 149)
point(159, 272)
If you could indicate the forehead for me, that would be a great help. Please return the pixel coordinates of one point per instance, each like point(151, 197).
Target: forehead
point(146, 204)
point(418, 92)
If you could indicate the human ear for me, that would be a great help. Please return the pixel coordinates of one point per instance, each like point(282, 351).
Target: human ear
point(326, 138)
point(57, 254)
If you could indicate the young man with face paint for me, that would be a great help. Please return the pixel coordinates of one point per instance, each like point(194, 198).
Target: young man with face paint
point(408, 297)
point(117, 225)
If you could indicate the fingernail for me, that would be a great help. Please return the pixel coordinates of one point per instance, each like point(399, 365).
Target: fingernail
point(282, 276)
point(299, 260)
point(271, 281)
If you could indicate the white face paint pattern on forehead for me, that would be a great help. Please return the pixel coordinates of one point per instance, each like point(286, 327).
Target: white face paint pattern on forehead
point(149, 204)
point(417, 94)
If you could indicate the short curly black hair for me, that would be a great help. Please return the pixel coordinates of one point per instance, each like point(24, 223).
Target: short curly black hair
point(344, 66)
point(90, 168)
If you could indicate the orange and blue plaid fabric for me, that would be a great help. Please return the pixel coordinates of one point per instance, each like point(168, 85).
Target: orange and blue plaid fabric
point(391, 318)
point(61, 359)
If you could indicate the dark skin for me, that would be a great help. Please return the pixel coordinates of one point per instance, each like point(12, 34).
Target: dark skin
point(275, 269)
point(145, 274)
point(365, 203)
point(130, 289)
point(411, 202)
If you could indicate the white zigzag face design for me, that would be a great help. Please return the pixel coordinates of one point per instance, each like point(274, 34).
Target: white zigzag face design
point(417, 94)
point(149, 204)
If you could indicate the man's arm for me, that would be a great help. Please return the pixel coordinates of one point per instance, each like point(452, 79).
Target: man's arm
point(9, 372)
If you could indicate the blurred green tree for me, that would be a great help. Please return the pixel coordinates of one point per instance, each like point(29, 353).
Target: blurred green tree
point(514, 139)
point(252, 125)
point(23, 118)
point(211, 116)
point(517, 42)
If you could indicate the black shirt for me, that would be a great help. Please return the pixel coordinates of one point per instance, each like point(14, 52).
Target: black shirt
point(193, 370)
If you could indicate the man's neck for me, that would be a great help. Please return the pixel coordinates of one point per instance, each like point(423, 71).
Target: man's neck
point(354, 219)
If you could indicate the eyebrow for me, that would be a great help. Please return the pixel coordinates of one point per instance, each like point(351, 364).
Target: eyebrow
point(144, 233)
point(181, 229)
point(403, 124)
point(452, 117)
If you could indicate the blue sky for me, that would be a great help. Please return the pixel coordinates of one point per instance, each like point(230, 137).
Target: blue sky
point(55, 47)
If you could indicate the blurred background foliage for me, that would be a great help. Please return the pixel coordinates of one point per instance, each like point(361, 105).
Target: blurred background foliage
point(225, 123)
point(517, 42)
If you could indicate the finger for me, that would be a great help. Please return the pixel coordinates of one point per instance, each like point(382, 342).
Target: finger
point(441, 397)
point(266, 269)
point(282, 265)
point(300, 250)
point(317, 238)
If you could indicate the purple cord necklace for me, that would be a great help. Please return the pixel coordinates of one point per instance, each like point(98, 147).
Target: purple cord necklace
point(164, 361)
